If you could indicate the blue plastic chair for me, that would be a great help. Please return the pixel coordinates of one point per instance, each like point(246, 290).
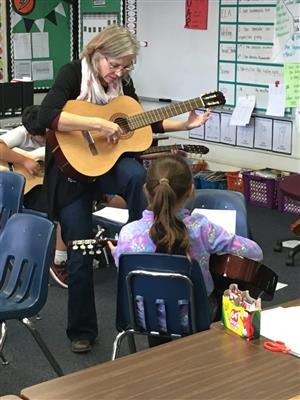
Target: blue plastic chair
point(11, 195)
point(26, 247)
point(215, 199)
point(153, 282)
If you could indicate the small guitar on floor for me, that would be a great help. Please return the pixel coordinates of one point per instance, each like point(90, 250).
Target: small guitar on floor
point(83, 155)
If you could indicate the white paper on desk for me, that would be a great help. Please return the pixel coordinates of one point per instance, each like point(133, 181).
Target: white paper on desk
point(243, 110)
point(113, 214)
point(276, 100)
point(282, 324)
point(224, 218)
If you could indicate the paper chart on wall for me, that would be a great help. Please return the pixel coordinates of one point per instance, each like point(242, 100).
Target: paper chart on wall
point(22, 46)
point(228, 132)
point(245, 135)
point(282, 136)
point(263, 133)
point(197, 133)
point(243, 110)
point(286, 48)
point(212, 128)
point(276, 100)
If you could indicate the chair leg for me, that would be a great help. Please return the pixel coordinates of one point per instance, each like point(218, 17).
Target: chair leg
point(131, 343)
point(30, 326)
point(291, 255)
point(118, 340)
point(3, 334)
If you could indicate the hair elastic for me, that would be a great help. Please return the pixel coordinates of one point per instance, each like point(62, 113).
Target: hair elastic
point(164, 180)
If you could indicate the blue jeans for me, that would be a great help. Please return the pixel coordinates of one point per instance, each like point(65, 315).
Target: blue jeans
point(125, 178)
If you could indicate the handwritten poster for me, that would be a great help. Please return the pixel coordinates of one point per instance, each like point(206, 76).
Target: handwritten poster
point(246, 33)
point(196, 12)
point(292, 84)
point(287, 32)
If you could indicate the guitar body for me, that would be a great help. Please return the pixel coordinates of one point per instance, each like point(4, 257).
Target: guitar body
point(30, 180)
point(84, 155)
point(72, 150)
point(248, 274)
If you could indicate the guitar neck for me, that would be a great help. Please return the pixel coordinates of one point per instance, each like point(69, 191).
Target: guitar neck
point(149, 117)
point(163, 149)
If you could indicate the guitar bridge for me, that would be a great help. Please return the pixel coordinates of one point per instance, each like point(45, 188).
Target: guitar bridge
point(90, 140)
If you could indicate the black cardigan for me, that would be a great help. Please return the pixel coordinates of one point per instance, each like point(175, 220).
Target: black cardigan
point(60, 189)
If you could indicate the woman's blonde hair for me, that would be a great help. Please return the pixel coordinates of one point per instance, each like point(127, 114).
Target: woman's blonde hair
point(114, 41)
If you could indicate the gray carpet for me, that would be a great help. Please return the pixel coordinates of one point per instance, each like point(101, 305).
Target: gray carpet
point(28, 366)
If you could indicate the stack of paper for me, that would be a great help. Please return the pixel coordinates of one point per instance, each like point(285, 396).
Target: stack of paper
point(113, 214)
point(224, 218)
point(282, 324)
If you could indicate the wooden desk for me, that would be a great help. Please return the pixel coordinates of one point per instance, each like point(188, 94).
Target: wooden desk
point(214, 364)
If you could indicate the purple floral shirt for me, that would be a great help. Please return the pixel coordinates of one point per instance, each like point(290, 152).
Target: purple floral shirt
point(206, 238)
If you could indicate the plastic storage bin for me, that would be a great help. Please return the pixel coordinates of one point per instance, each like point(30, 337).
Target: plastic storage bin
point(235, 181)
point(260, 191)
point(285, 203)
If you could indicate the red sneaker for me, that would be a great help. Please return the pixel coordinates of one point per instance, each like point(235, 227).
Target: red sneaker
point(59, 274)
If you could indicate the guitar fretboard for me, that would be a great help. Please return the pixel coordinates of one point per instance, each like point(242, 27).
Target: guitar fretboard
point(149, 117)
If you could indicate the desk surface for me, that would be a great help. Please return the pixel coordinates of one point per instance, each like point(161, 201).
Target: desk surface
point(215, 364)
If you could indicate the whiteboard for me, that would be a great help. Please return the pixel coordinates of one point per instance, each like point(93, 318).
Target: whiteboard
point(178, 63)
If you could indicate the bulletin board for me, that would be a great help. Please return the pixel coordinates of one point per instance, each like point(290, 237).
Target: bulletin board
point(41, 40)
point(3, 44)
point(249, 56)
point(94, 15)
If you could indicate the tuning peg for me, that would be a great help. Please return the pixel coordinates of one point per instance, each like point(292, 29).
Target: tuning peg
point(98, 251)
point(91, 252)
point(75, 247)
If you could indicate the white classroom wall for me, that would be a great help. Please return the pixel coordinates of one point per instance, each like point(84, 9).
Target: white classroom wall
point(180, 64)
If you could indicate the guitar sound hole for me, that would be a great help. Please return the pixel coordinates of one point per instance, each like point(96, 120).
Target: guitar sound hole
point(123, 124)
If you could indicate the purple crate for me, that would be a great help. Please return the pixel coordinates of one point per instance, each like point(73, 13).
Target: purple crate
point(286, 204)
point(259, 191)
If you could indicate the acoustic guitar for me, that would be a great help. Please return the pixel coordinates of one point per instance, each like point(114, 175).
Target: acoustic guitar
point(157, 151)
point(250, 275)
point(225, 269)
point(83, 155)
point(30, 180)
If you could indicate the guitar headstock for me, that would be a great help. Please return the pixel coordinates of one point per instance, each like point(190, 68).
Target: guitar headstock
point(213, 99)
point(195, 148)
point(90, 246)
